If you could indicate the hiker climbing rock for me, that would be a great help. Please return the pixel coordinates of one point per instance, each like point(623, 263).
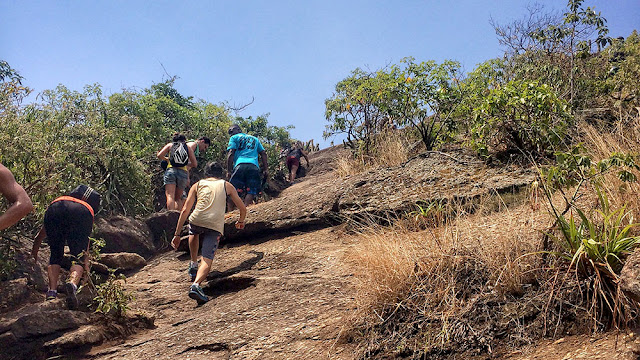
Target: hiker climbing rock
point(20, 203)
point(198, 146)
point(68, 220)
point(207, 220)
point(176, 177)
point(293, 160)
point(243, 160)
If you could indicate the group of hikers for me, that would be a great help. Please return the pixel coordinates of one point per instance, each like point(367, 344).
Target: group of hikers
point(69, 219)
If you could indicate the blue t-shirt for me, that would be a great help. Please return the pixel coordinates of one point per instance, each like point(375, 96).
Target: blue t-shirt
point(247, 148)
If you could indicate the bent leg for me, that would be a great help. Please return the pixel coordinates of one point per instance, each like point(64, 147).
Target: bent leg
point(248, 199)
point(169, 192)
point(294, 171)
point(53, 271)
point(178, 198)
point(194, 244)
point(203, 270)
point(75, 274)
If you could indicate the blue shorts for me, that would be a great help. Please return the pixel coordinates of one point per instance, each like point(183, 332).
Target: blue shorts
point(210, 239)
point(176, 176)
point(246, 178)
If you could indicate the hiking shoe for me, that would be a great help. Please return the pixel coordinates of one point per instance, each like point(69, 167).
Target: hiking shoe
point(72, 299)
point(52, 295)
point(196, 293)
point(193, 271)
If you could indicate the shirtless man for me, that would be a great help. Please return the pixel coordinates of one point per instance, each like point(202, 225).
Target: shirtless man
point(20, 203)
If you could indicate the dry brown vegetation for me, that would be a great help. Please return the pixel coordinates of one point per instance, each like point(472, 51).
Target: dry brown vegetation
point(453, 280)
point(391, 148)
point(601, 142)
point(423, 288)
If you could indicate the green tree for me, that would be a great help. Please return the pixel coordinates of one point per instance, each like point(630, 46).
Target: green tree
point(354, 108)
point(522, 116)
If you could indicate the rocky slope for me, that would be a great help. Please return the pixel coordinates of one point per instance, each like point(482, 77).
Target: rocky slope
point(281, 288)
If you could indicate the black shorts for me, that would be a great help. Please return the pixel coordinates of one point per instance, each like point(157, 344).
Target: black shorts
point(246, 178)
point(67, 222)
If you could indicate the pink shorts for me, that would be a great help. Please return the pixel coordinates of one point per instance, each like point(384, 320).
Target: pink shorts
point(292, 161)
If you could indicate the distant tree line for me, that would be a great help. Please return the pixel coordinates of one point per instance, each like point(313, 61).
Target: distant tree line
point(69, 137)
point(554, 67)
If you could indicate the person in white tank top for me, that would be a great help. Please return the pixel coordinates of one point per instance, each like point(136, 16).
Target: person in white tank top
point(207, 221)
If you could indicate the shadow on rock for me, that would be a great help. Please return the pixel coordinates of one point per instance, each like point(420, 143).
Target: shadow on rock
point(219, 287)
point(244, 266)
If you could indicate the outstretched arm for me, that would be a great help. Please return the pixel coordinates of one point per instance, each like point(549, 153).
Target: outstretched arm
point(37, 242)
point(186, 209)
point(20, 202)
point(304, 154)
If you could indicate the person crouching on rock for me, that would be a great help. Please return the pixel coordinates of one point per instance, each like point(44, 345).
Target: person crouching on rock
point(207, 220)
point(69, 219)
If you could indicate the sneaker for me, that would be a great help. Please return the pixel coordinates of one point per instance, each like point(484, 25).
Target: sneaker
point(52, 295)
point(72, 299)
point(193, 271)
point(196, 293)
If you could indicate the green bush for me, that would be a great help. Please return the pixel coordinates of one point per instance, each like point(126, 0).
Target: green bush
point(596, 248)
point(112, 296)
point(521, 117)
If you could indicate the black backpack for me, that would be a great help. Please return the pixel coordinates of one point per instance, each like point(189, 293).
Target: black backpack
point(179, 154)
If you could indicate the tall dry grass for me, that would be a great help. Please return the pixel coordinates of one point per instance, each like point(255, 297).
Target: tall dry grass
point(601, 143)
point(390, 148)
point(437, 275)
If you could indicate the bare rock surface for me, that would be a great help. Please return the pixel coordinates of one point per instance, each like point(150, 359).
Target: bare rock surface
point(162, 226)
point(272, 298)
point(323, 198)
point(125, 234)
point(123, 261)
point(630, 276)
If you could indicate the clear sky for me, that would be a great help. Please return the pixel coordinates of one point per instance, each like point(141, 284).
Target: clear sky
point(288, 55)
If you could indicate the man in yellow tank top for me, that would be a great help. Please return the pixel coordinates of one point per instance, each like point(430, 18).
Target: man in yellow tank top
point(207, 221)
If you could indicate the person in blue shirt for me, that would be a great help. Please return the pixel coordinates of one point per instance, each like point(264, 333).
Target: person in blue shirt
point(243, 170)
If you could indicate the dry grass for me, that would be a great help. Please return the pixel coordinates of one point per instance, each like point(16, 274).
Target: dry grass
point(438, 274)
point(390, 148)
point(601, 143)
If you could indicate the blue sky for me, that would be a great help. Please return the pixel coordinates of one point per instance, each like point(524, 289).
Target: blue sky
point(288, 55)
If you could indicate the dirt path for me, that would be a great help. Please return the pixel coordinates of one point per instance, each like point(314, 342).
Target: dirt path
point(271, 299)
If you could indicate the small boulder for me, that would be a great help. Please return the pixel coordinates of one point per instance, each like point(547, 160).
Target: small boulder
point(13, 293)
point(125, 234)
point(162, 226)
point(630, 276)
point(48, 322)
point(123, 261)
point(84, 336)
point(100, 268)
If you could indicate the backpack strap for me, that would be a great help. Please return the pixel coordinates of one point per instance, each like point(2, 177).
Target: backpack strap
point(71, 198)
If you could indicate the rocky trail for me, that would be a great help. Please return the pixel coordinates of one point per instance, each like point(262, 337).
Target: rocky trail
point(282, 288)
point(276, 298)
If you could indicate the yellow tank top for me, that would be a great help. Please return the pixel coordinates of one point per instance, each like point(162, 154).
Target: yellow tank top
point(210, 205)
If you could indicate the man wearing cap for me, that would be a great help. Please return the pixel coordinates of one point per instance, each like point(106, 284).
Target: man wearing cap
point(68, 220)
point(243, 170)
